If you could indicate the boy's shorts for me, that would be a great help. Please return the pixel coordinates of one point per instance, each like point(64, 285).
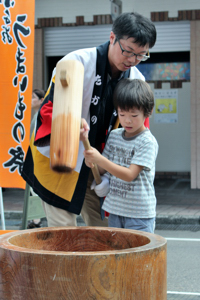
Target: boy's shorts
point(144, 224)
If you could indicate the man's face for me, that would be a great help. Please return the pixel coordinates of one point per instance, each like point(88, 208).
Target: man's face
point(119, 62)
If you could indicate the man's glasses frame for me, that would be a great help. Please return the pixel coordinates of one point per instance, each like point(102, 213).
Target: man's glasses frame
point(131, 54)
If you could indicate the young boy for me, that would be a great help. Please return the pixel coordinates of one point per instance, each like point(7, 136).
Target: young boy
point(129, 160)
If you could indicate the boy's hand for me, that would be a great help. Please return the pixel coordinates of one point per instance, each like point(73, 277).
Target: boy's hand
point(92, 156)
point(88, 164)
point(84, 130)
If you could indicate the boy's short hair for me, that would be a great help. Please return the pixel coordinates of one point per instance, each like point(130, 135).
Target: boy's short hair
point(134, 25)
point(135, 93)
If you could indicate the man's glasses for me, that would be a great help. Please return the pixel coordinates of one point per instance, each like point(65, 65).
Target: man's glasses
point(130, 54)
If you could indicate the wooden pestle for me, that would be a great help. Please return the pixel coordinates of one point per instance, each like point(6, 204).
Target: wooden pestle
point(67, 106)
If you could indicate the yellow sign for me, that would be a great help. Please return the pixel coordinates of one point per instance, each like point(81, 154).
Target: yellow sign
point(166, 106)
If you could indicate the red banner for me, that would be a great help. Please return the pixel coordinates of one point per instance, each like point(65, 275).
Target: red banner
point(17, 53)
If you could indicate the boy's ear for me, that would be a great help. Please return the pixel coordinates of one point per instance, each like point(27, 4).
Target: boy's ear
point(150, 113)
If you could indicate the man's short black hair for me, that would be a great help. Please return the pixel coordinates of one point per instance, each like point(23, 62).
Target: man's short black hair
point(133, 93)
point(134, 25)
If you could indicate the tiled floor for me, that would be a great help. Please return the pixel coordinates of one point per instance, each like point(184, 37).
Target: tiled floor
point(176, 198)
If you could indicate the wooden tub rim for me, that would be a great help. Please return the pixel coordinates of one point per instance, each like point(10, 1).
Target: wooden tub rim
point(156, 241)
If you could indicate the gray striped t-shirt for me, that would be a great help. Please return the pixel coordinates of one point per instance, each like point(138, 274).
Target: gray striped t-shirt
point(135, 199)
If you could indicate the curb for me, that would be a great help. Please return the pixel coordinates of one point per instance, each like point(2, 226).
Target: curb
point(181, 223)
point(161, 219)
point(13, 215)
point(176, 220)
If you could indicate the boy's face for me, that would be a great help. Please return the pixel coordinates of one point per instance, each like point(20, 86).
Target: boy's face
point(119, 62)
point(132, 121)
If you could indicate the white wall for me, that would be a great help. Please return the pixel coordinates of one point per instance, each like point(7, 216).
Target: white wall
point(144, 7)
point(69, 9)
point(174, 139)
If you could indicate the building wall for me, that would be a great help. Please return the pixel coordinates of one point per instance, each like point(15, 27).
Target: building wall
point(38, 78)
point(68, 9)
point(174, 139)
point(145, 7)
point(195, 104)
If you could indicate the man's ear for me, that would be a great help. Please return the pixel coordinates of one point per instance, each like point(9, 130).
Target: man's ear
point(112, 37)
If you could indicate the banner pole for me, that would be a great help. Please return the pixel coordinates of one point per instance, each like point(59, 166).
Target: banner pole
point(25, 207)
point(2, 211)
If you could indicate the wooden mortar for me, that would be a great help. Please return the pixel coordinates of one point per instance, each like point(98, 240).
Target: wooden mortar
point(82, 263)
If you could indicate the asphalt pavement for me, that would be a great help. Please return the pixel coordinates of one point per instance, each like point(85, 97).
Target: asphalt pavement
point(183, 272)
point(178, 206)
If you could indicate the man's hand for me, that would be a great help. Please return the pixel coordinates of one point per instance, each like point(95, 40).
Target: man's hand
point(84, 130)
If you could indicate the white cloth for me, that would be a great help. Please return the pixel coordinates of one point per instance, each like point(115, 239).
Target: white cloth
point(101, 189)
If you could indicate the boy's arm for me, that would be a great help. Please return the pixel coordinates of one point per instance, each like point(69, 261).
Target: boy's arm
point(124, 173)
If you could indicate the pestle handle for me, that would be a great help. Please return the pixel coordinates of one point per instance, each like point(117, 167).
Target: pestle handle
point(95, 169)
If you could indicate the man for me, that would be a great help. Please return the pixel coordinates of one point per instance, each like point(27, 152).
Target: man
point(67, 195)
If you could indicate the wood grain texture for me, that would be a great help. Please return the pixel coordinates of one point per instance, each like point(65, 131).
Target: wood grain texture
point(82, 263)
point(66, 117)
